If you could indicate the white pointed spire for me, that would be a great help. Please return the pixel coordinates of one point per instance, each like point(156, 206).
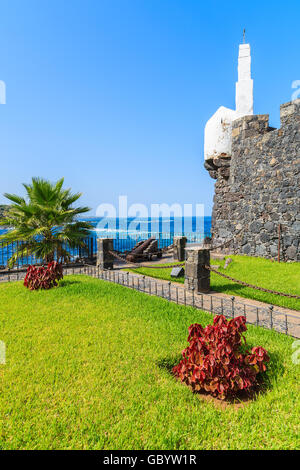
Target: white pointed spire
point(218, 130)
point(244, 85)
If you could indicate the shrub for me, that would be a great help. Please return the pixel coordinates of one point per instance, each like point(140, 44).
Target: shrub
point(215, 362)
point(43, 278)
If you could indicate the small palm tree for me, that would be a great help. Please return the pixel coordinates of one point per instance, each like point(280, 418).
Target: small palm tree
point(45, 222)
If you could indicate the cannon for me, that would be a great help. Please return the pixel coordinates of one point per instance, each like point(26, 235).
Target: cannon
point(144, 250)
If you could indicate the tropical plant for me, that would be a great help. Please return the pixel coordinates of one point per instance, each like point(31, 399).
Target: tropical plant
point(3, 209)
point(216, 362)
point(43, 278)
point(45, 222)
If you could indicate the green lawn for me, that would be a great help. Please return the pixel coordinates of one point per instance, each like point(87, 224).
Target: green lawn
point(88, 367)
point(282, 277)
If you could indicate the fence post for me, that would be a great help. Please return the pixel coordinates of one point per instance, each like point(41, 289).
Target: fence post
point(105, 259)
point(232, 306)
point(91, 248)
point(271, 316)
point(197, 276)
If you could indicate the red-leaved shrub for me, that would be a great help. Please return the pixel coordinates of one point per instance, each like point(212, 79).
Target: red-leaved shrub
point(215, 362)
point(43, 278)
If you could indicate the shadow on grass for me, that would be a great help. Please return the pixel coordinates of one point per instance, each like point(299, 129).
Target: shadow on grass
point(275, 369)
point(226, 287)
point(247, 293)
point(67, 283)
point(169, 362)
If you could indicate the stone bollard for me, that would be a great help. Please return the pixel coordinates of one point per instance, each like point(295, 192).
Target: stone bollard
point(197, 276)
point(104, 259)
point(179, 247)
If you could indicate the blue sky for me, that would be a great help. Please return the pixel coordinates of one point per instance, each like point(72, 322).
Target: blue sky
point(114, 94)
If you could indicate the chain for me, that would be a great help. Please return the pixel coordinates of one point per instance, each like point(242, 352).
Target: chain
point(163, 266)
point(225, 244)
point(243, 283)
point(246, 284)
point(221, 246)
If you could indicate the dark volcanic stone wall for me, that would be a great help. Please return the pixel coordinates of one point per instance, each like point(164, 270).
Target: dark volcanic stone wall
point(258, 188)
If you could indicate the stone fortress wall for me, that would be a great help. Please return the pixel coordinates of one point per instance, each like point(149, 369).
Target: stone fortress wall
point(258, 187)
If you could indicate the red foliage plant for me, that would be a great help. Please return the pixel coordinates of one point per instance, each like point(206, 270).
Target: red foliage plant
point(43, 278)
point(215, 362)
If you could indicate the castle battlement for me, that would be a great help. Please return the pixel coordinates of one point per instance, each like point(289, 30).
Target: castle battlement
point(258, 186)
point(255, 125)
point(290, 112)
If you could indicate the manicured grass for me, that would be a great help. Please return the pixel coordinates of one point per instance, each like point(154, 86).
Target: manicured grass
point(282, 277)
point(88, 367)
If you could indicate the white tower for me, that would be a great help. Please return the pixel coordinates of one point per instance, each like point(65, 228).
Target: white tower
point(218, 130)
point(244, 86)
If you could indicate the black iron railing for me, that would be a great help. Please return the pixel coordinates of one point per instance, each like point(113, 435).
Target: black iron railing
point(266, 316)
point(122, 242)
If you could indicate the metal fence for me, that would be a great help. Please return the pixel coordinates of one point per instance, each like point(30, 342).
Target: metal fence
point(267, 317)
point(126, 242)
point(122, 243)
point(7, 251)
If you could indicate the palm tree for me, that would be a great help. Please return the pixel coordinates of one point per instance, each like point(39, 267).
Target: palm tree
point(45, 222)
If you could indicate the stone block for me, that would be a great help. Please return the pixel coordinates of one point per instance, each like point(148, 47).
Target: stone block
point(179, 244)
point(291, 253)
point(197, 276)
point(105, 259)
point(288, 111)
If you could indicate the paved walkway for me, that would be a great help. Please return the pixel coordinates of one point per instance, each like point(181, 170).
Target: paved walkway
point(255, 303)
point(258, 313)
point(281, 319)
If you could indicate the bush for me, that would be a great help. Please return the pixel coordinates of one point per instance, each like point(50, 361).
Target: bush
point(43, 278)
point(215, 362)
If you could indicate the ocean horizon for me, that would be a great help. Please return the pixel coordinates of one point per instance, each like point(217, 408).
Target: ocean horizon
point(126, 232)
point(151, 225)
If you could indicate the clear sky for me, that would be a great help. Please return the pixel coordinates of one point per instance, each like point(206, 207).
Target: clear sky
point(114, 94)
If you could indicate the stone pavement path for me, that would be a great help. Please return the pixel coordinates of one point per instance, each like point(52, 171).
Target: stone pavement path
point(258, 313)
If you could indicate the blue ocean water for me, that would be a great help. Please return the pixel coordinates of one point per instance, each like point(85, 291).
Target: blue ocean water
point(127, 232)
point(117, 226)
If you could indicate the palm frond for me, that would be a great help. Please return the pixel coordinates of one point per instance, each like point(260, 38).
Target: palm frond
point(46, 220)
point(14, 198)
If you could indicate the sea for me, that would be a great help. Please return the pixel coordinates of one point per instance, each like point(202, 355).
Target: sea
point(127, 232)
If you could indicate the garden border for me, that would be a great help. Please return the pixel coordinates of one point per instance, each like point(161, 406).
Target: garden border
point(267, 317)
